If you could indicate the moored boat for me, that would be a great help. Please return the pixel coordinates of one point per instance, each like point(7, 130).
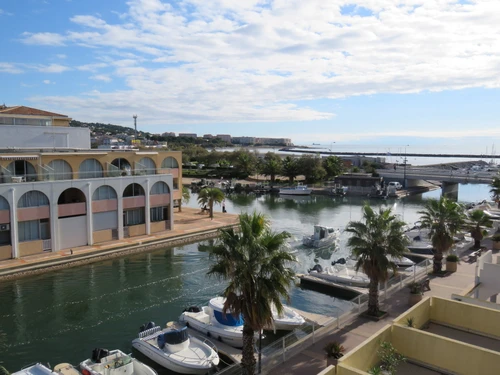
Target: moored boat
point(114, 362)
point(296, 190)
point(288, 320)
point(36, 369)
point(341, 274)
point(322, 236)
point(175, 350)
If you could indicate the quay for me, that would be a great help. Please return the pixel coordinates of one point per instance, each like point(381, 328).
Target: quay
point(190, 226)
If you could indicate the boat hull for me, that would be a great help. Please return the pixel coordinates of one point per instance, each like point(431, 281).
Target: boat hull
point(295, 192)
point(234, 339)
point(342, 279)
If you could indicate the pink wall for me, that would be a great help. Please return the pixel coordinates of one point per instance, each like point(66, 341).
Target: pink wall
point(134, 202)
point(72, 209)
point(33, 213)
point(159, 200)
point(4, 216)
point(105, 205)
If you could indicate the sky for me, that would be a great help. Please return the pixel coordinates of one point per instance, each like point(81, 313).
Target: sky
point(371, 72)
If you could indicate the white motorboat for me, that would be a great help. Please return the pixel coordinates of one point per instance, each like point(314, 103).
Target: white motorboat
point(420, 242)
point(296, 190)
point(322, 237)
point(36, 369)
point(400, 261)
point(341, 274)
point(114, 362)
point(175, 350)
point(288, 320)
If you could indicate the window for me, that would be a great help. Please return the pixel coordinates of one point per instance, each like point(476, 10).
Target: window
point(5, 237)
point(133, 217)
point(104, 192)
point(33, 199)
point(160, 188)
point(169, 162)
point(90, 168)
point(145, 166)
point(29, 230)
point(159, 213)
point(4, 204)
point(133, 190)
point(60, 170)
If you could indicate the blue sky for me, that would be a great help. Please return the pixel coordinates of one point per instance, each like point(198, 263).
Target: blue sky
point(370, 72)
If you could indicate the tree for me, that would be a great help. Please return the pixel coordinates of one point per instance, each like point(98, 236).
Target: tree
point(245, 161)
point(186, 196)
point(272, 166)
point(443, 218)
point(477, 220)
point(209, 196)
point(333, 166)
point(254, 262)
point(495, 190)
point(372, 240)
point(310, 166)
point(290, 168)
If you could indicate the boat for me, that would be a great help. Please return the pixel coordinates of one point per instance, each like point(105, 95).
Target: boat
point(175, 350)
point(114, 362)
point(400, 261)
point(322, 237)
point(341, 274)
point(288, 320)
point(339, 191)
point(296, 190)
point(36, 369)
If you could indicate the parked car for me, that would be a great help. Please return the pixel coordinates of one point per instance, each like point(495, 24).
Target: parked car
point(395, 184)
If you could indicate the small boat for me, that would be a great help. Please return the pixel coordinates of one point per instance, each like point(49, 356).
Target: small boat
point(288, 320)
point(36, 369)
point(114, 362)
point(322, 236)
point(339, 191)
point(175, 350)
point(401, 261)
point(341, 274)
point(296, 190)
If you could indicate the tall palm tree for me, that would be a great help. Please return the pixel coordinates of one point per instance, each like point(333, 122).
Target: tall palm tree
point(255, 262)
point(209, 196)
point(372, 240)
point(186, 196)
point(444, 218)
point(477, 221)
point(495, 190)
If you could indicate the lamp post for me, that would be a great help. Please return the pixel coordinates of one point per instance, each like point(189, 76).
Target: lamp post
point(404, 169)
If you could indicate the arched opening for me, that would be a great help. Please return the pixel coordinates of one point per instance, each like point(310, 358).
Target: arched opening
point(21, 170)
point(133, 190)
point(90, 168)
point(33, 223)
point(104, 214)
point(58, 170)
point(134, 216)
point(172, 167)
point(160, 207)
point(119, 167)
point(5, 241)
point(72, 210)
point(145, 166)
point(169, 162)
point(71, 195)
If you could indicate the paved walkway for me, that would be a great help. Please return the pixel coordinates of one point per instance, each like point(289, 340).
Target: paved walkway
point(189, 222)
point(313, 360)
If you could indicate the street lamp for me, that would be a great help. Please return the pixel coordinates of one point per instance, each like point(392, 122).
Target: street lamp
point(404, 170)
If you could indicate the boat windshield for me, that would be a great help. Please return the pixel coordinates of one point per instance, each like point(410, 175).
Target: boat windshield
point(228, 320)
point(173, 337)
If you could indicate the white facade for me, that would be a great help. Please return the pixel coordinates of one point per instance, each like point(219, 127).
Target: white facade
point(38, 137)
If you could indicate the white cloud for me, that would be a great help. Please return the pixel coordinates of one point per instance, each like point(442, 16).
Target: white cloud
point(47, 81)
point(92, 67)
point(4, 13)
point(61, 56)
point(10, 68)
point(249, 60)
point(101, 77)
point(52, 68)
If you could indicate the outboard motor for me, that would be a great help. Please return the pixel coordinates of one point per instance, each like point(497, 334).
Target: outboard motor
point(317, 268)
point(147, 326)
point(98, 354)
point(193, 309)
point(339, 261)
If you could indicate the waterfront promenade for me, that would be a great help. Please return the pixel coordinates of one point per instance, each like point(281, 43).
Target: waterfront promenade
point(190, 225)
point(313, 359)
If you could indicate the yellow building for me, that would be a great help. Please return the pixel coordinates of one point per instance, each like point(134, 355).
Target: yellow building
point(56, 196)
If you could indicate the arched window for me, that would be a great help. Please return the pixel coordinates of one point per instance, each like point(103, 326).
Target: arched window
point(90, 168)
point(4, 204)
point(33, 198)
point(169, 162)
point(59, 170)
point(133, 190)
point(146, 166)
point(71, 195)
point(104, 192)
point(160, 188)
point(22, 168)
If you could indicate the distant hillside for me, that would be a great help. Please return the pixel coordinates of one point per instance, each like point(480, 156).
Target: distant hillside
point(106, 128)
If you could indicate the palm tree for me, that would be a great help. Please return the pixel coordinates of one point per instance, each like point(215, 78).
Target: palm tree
point(255, 263)
point(373, 239)
point(209, 196)
point(186, 196)
point(477, 220)
point(444, 218)
point(495, 190)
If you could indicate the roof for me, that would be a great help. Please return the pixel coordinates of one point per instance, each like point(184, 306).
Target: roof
point(27, 111)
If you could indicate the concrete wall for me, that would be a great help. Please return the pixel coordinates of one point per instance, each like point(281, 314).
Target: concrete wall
point(102, 236)
point(158, 226)
point(25, 136)
point(420, 313)
point(30, 248)
point(475, 301)
point(137, 230)
point(5, 252)
point(348, 370)
point(73, 232)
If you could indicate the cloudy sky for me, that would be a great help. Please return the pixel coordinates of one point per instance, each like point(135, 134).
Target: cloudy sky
point(374, 71)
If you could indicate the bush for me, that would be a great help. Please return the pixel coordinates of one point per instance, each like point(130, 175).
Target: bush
point(496, 237)
point(334, 349)
point(389, 357)
point(410, 322)
point(415, 288)
point(452, 258)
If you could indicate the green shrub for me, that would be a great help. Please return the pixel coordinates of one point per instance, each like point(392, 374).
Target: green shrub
point(334, 349)
point(452, 258)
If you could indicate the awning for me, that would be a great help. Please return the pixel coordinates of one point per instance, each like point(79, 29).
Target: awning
point(19, 157)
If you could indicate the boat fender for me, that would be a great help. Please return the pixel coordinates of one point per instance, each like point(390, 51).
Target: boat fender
point(86, 372)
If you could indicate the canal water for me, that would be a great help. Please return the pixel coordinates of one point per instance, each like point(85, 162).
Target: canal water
point(61, 316)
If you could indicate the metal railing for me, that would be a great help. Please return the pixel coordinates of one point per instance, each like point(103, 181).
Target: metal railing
point(295, 342)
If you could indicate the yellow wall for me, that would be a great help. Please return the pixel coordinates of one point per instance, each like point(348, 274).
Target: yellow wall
point(444, 353)
point(61, 121)
point(420, 313)
point(102, 236)
point(330, 370)
point(137, 230)
point(471, 317)
point(5, 252)
point(365, 356)
point(348, 370)
point(30, 248)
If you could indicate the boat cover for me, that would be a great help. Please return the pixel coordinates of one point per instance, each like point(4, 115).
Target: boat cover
point(173, 337)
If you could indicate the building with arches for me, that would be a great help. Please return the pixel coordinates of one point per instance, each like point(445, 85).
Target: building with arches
point(58, 198)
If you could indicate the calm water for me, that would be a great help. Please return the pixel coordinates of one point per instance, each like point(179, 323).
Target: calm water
point(63, 315)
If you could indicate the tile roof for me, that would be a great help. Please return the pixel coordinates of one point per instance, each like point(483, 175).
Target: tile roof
point(22, 110)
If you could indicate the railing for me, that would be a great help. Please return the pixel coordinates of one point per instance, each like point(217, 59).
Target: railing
point(46, 245)
point(295, 342)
